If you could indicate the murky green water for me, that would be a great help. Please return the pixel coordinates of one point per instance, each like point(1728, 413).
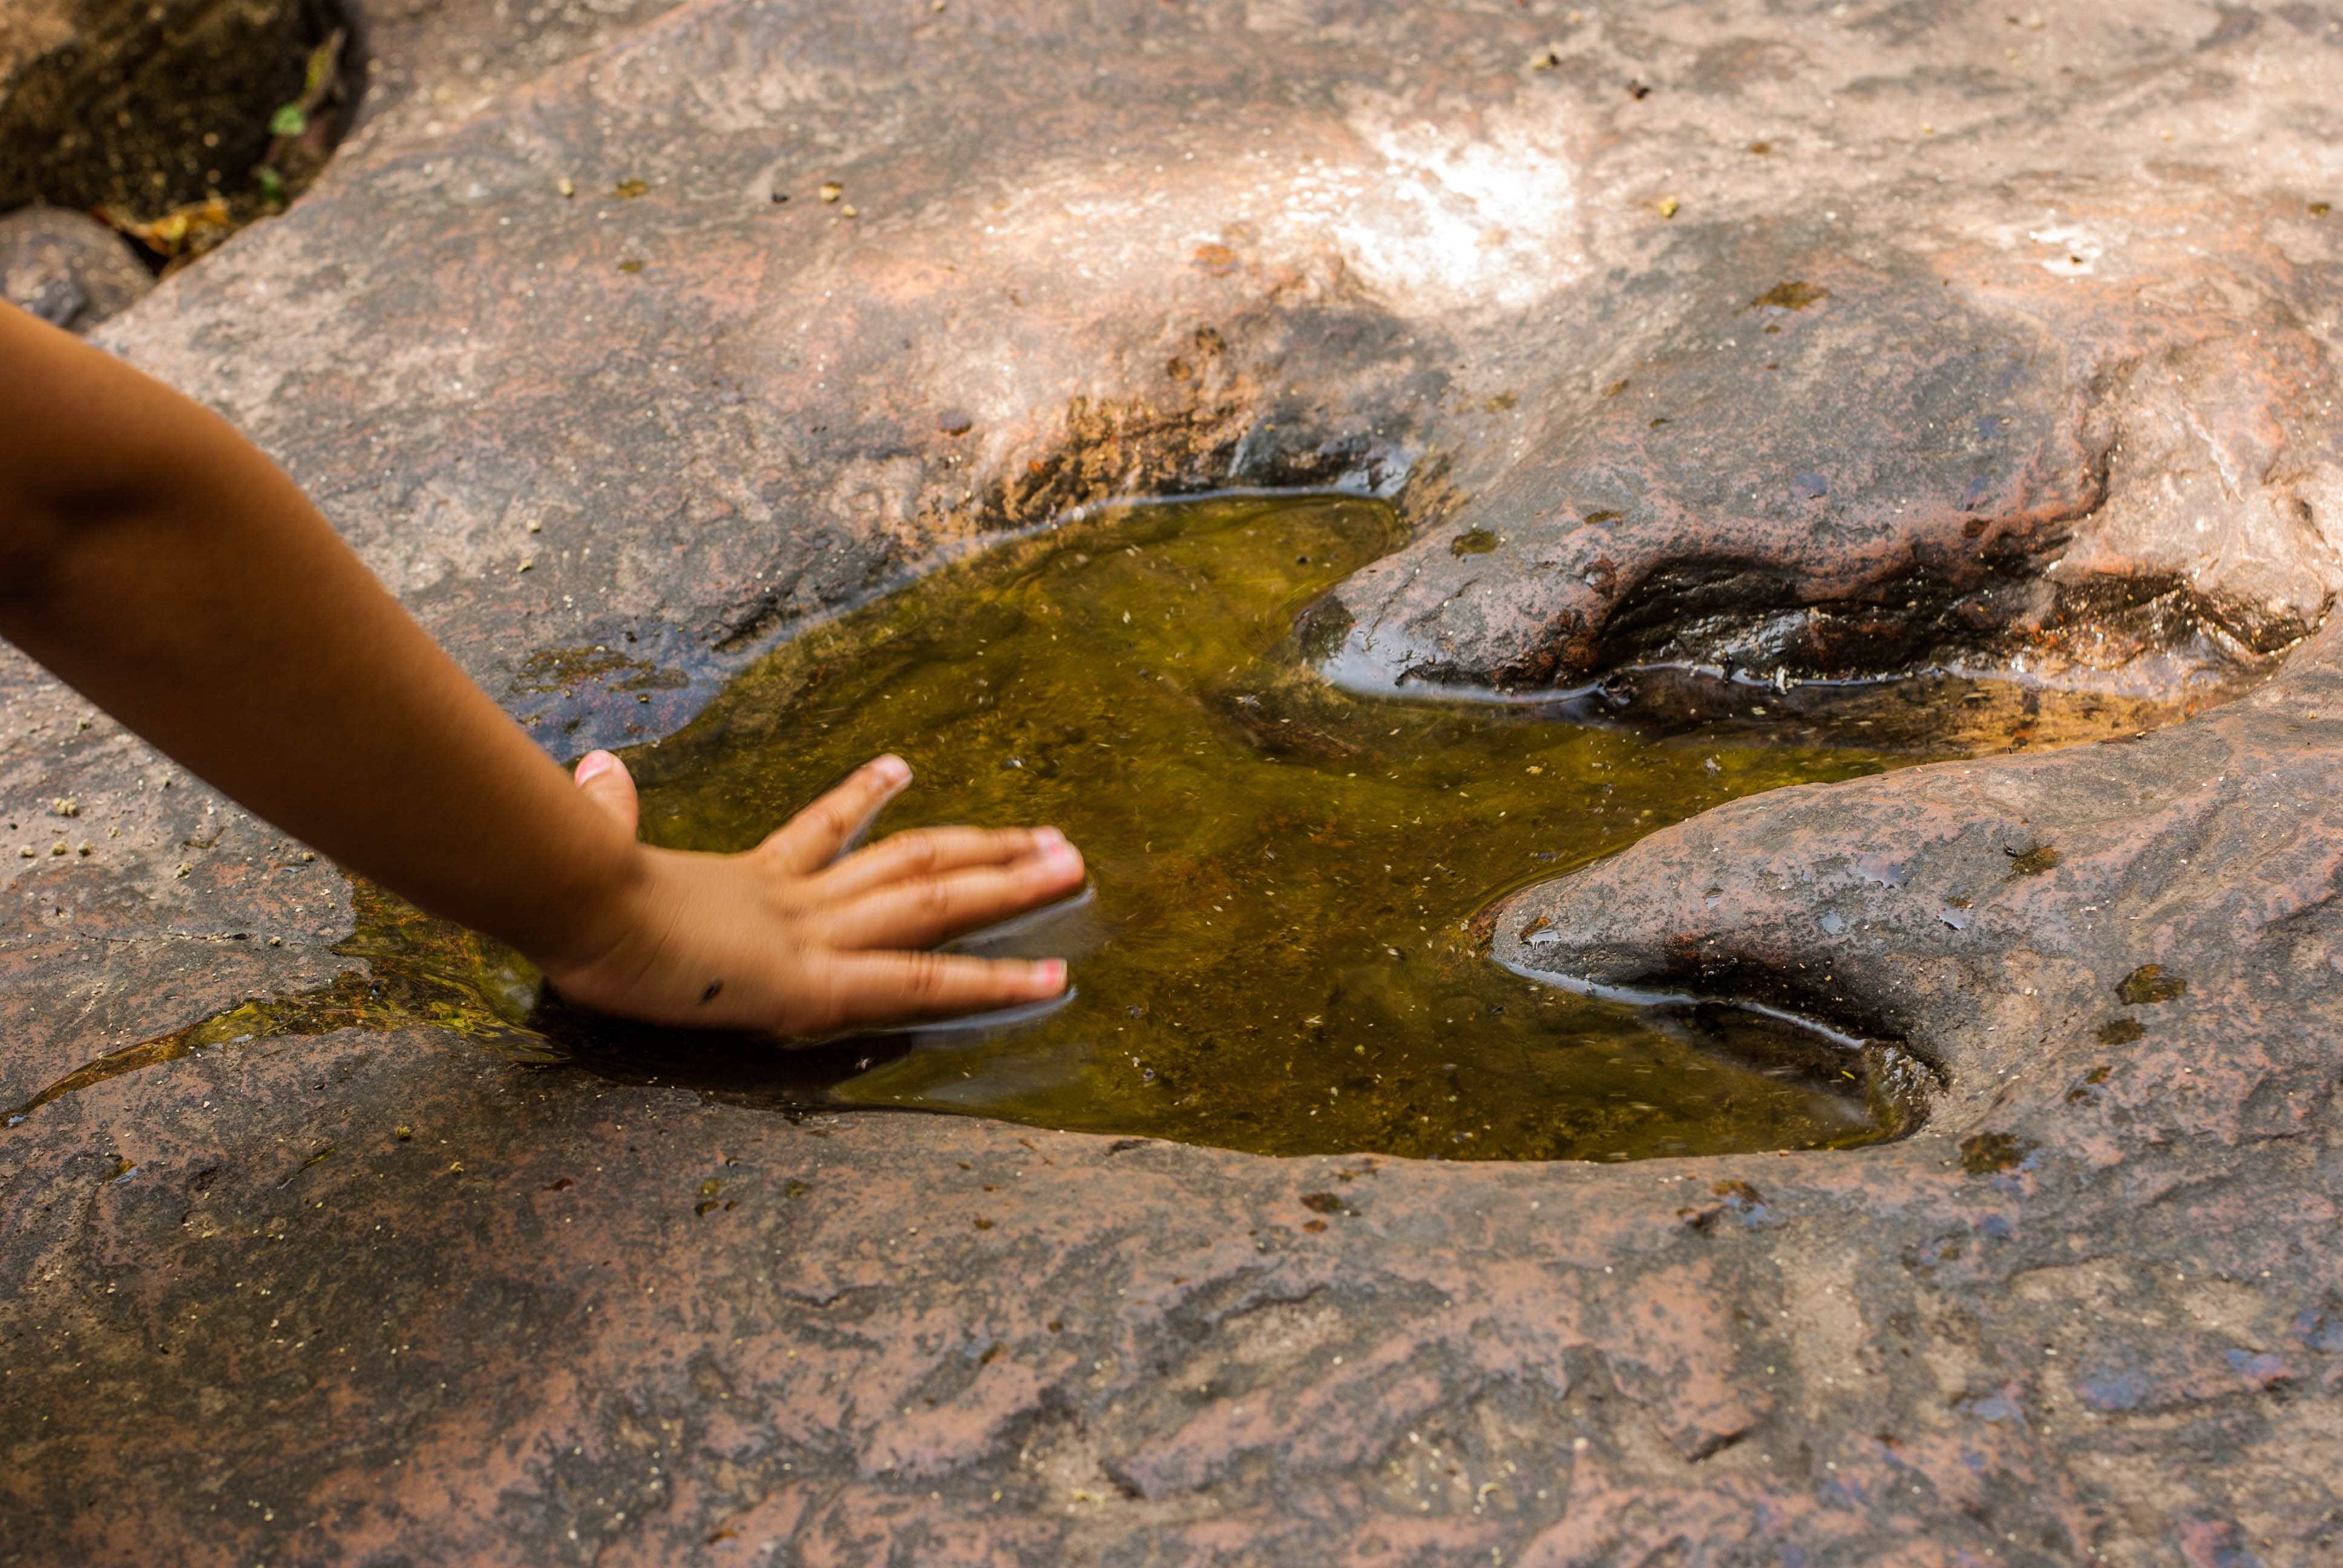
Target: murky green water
point(1277, 954)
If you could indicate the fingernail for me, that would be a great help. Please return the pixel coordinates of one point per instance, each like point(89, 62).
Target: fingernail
point(594, 764)
point(892, 768)
point(1047, 839)
point(1060, 856)
point(1049, 976)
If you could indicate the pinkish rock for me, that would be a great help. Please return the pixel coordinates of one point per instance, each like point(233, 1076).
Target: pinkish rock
point(1831, 460)
point(2081, 1315)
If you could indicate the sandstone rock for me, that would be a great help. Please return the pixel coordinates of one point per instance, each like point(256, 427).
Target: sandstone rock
point(2081, 1315)
point(1947, 459)
point(139, 105)
point(1833, 460)
point(431, 61)
point(69, 270)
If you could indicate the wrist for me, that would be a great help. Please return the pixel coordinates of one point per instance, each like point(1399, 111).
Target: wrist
point(598, 911)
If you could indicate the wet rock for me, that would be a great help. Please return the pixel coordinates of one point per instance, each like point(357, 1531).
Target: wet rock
point(69, 270)
point(140, 105)
point(2091, 1307)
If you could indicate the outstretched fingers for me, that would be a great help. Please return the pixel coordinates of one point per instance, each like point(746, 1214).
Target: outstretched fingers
point(933, 852)
point(813, 837)
point(885, 987)
point(796, 937)
point(927, 909)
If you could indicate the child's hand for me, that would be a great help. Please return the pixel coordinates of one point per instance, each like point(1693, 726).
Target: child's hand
point(789, 937)
point(166, 569)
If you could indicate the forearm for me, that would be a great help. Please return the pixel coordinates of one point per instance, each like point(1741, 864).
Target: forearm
point(161, 566)
point(155, 560)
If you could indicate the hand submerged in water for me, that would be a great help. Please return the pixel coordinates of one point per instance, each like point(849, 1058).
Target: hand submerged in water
point(793, 937)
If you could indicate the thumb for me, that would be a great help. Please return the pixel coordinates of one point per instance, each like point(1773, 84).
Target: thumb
point(607, 784)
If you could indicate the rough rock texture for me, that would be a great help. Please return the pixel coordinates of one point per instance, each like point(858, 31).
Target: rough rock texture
point(142, 104)
point(69, 270)
point(1873, 466)
point(2082, 1315)
point(2072, 422)
point(426, 61)
point(2120, 958)
point(793, 401)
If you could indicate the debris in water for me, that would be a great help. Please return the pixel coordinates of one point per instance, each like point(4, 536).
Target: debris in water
point(1788, 296)
point(2150, 983)
point(1988, 1152)
point(2031, 862)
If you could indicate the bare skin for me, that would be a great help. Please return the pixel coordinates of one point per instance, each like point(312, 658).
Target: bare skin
point(159, 564)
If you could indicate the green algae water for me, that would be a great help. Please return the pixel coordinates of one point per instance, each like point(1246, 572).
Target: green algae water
point(1278, 951)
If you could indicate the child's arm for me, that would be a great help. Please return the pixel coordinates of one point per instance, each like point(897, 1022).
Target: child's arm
point(167, 571)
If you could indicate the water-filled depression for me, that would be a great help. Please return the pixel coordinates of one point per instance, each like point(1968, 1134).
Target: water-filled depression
point(1278, 952)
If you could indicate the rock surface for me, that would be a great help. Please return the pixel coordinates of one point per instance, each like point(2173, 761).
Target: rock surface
point(426, 61)
point(2084, 1315)
point(2077, 428)
point(69, 270)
